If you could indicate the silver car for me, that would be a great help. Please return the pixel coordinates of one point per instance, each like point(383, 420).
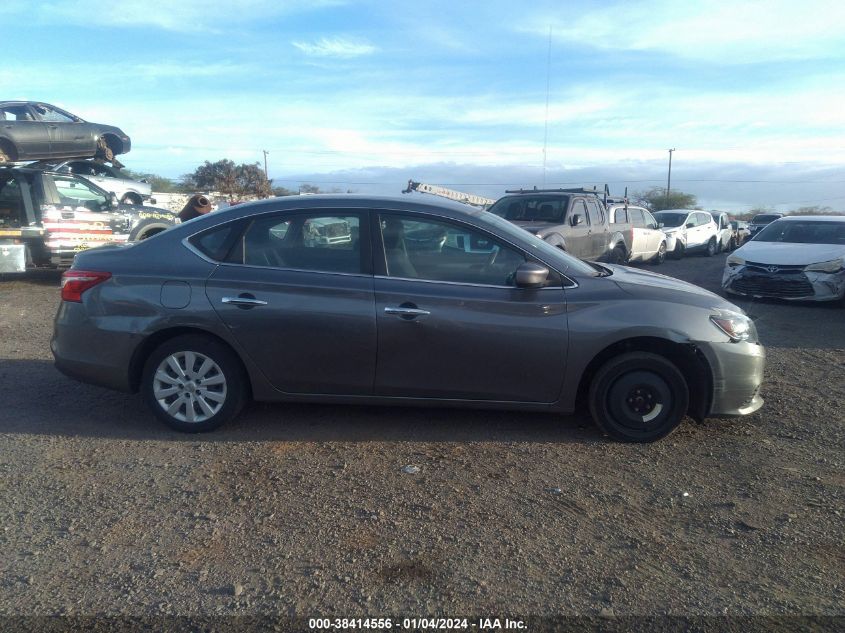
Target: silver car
point(241, 304)
point(127, 189)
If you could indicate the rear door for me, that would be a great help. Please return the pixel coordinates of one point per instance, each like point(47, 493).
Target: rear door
point(19, 124)
point(296, 291)
point(599, 230)
point(451, 324)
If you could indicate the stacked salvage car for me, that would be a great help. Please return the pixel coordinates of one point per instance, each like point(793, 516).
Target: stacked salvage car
point(68, 200)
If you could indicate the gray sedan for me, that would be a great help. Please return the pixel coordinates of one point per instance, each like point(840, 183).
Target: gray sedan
point(377, 300)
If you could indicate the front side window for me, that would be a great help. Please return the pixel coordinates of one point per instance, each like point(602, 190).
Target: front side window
point(650, 222)
point(74, 192)
point(579, 210)
point(52, 115)
point(316, 242)
point(421, 248)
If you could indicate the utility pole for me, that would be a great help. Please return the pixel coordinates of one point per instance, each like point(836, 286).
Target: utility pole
point(266, 175)
point(669, 178)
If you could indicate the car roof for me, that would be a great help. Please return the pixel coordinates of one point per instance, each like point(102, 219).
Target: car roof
point(421, 202)
point(814, 218)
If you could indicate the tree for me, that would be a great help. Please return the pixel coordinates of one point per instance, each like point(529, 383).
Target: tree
point(656, 199)
point(230, 179)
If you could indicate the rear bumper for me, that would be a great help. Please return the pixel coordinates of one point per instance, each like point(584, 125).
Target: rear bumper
point(737, 370)
point(104, 363)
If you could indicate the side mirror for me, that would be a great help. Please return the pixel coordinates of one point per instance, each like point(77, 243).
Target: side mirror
point(660, 225)
point(531, 275)
point(690, 225)
point(576, 220)
point(113, 203)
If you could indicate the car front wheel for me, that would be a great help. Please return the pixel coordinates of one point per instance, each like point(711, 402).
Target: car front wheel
point(712, 247)
point(638, 397)
point(660, 256)
point(194, 383)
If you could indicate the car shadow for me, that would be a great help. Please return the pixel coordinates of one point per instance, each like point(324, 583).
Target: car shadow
point(39, 400)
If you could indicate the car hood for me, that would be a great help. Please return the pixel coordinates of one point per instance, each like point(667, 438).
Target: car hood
point(784, 254)
point(643, 284)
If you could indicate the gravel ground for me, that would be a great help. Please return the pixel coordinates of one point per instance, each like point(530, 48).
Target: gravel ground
point(305, 510)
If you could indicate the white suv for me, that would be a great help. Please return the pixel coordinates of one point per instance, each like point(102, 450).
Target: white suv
point(688, 230)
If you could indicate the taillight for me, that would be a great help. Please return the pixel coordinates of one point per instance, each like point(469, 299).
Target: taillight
point(75, 282)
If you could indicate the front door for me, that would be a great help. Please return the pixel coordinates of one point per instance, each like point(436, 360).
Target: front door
point(19, 124)
point(578, 236)
point(297, 295)
point(451, 323)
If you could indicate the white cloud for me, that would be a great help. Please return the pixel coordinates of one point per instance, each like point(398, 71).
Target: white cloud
point(336, 47)
point(741, 31)
point(170, 15)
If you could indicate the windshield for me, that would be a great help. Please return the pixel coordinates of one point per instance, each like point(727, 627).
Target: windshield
point(764, 219)
point(531, 208)
point(671, 219)
point(803, 233)
point(561, 260)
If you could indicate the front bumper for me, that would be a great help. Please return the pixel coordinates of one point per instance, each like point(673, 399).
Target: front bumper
point(792, 285)
point(737, 370)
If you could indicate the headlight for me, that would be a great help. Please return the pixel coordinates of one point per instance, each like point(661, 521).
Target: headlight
point(733, 260)
point(737, 326)
point(832, 266)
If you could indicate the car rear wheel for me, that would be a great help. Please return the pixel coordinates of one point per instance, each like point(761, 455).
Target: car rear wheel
point(660, 256)
point(194, 383)
point(617, 255)
point(638, 397)
point(712, 247)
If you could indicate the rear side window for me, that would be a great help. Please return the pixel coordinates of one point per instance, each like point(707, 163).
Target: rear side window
point(316, 242)
point(596, 215)
point(217, 242)
point(620, 216)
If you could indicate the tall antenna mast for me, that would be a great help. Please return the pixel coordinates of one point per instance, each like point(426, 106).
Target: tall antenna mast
point(548, 84)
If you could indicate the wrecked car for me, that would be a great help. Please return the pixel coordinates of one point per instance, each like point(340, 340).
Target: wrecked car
point(31, 130)
point(47, 217)
point(797, 258)
point(127, 189)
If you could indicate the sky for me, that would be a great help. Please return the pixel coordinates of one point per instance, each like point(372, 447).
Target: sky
point(480, 96)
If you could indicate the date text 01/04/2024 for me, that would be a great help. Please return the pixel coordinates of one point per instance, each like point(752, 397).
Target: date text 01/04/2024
point(482, 624)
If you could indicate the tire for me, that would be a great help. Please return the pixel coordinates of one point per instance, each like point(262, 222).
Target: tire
point(131, 198)
point(147, 228)
point(4, 157)
point(175, 398)
point(678, 251)
point(732, 244)
point(660, 256)
point(618, 255)
point(623, 393)
point(712, 247)
point(104, 151)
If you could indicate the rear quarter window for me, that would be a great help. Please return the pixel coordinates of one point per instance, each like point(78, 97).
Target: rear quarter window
point(216, 243)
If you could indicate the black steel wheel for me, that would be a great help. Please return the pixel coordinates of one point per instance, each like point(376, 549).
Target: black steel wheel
point(194, 383)
point(638, 397)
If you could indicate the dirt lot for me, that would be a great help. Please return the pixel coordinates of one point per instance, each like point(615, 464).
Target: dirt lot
point(305, 510)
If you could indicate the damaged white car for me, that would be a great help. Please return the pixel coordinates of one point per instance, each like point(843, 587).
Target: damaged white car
point(800, 258)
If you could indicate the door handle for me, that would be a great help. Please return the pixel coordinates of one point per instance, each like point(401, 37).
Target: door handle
point(243, 302)
point(406, 312)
